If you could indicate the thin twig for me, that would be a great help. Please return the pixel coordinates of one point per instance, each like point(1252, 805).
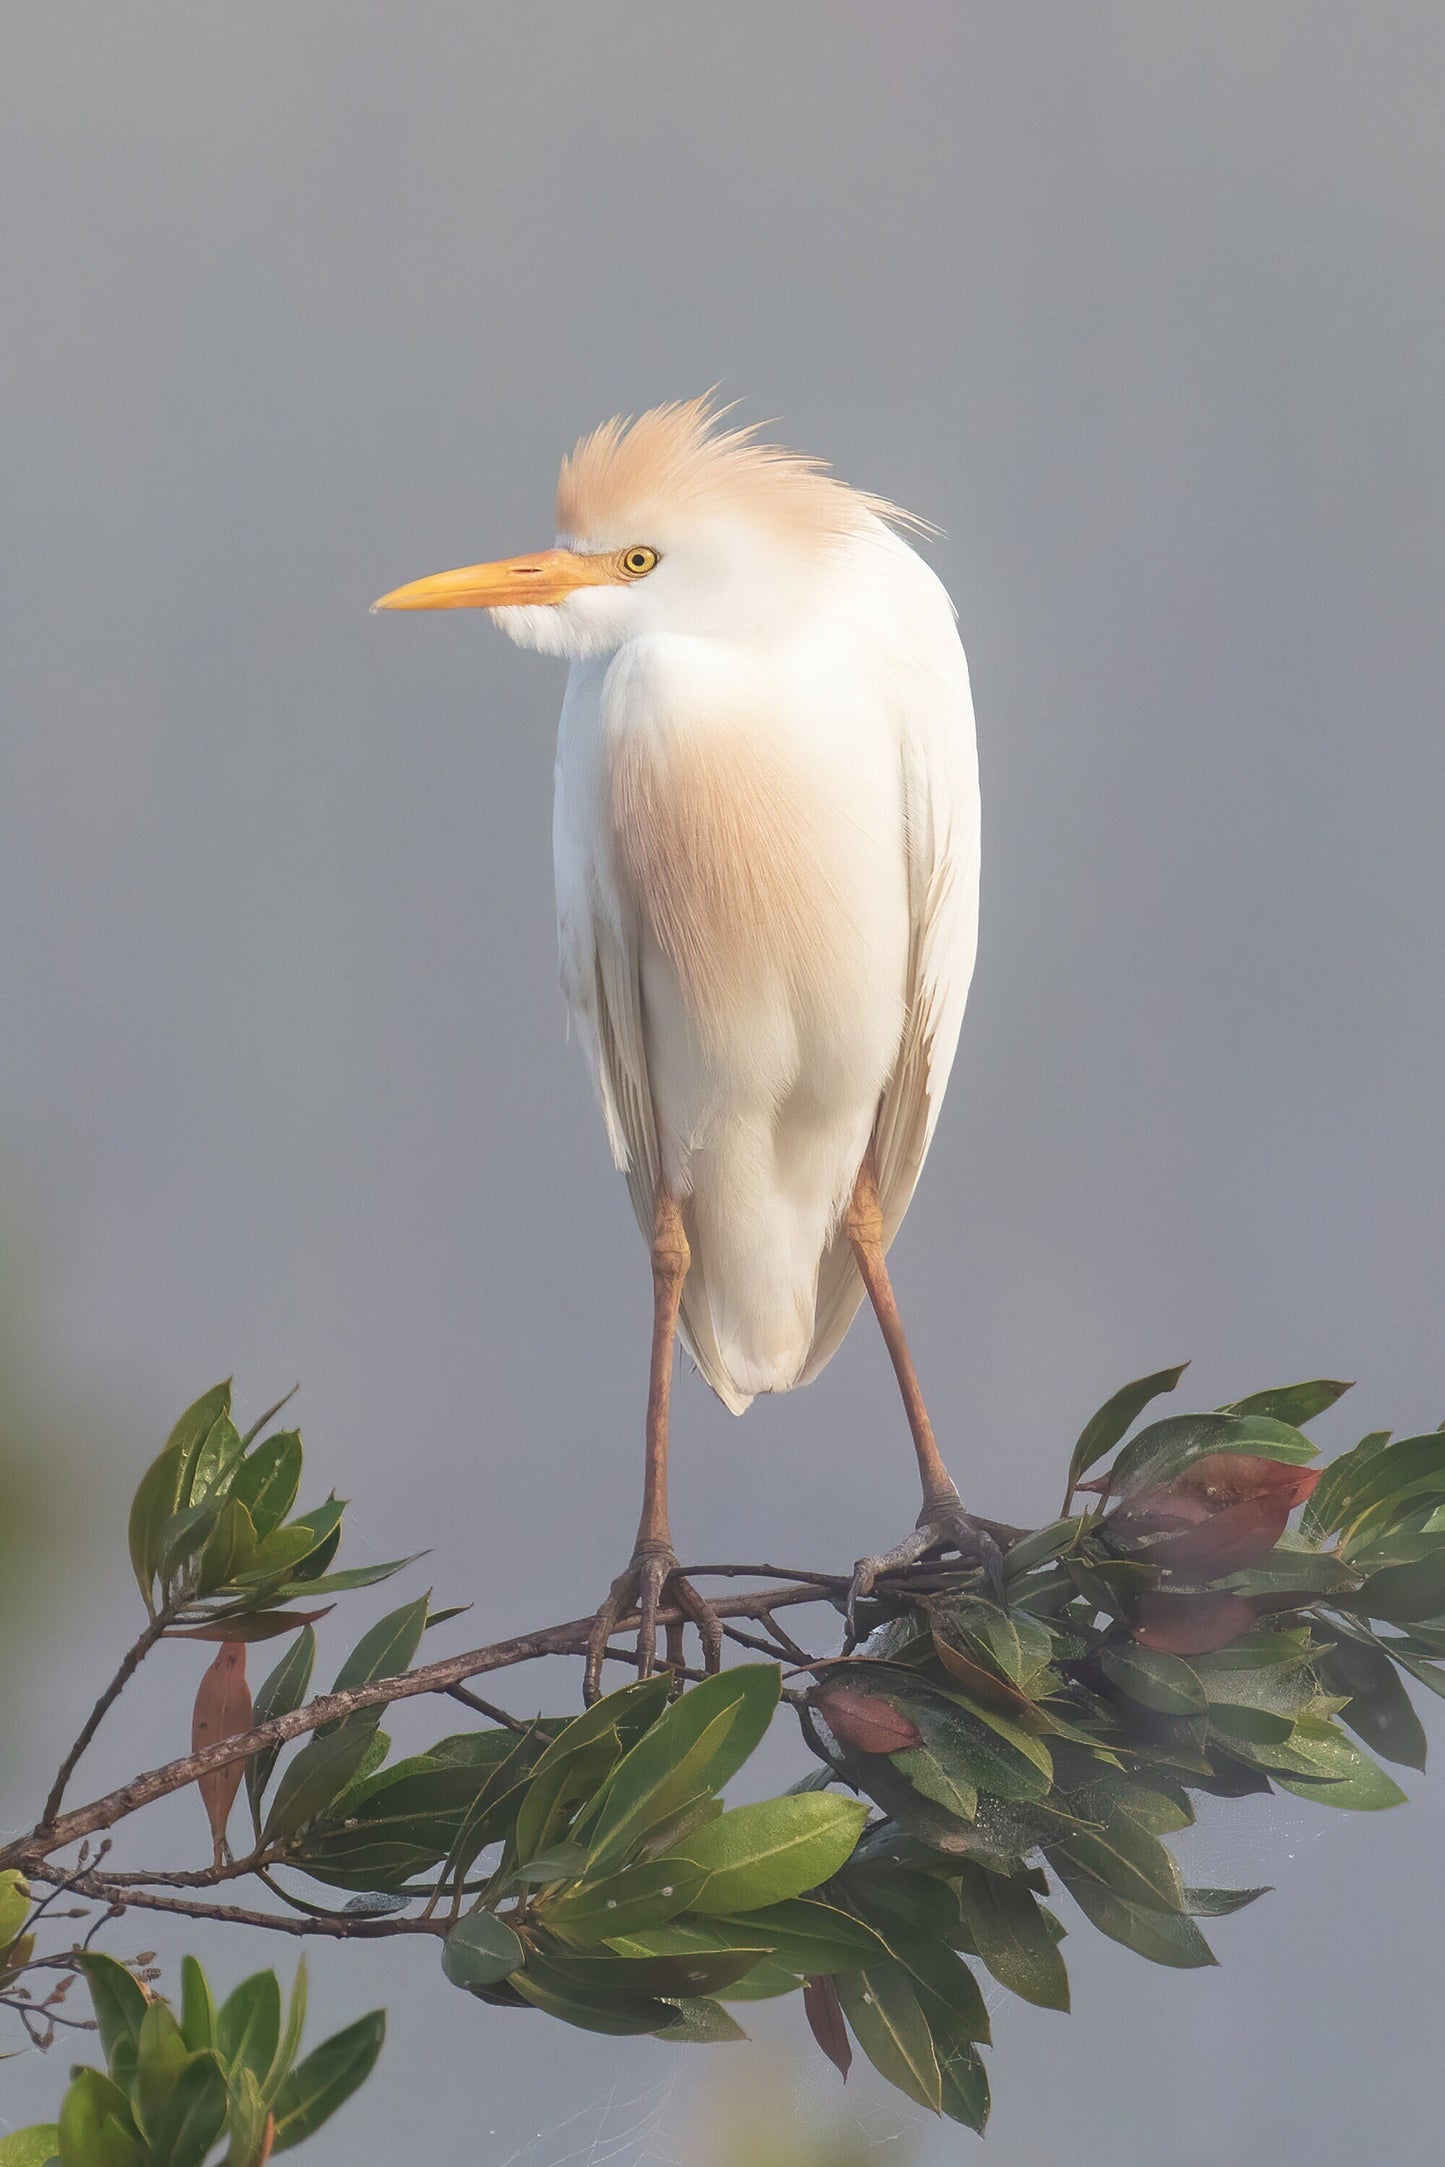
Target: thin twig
point(486, 1708)
point(357, 1929)
point(129, 1663)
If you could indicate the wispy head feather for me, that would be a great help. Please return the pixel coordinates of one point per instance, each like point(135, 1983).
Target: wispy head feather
point(676, 461)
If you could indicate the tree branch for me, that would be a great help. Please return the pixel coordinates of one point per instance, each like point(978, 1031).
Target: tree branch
point(54, 1834)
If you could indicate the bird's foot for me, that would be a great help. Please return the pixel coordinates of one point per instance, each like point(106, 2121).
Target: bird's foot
point(942, 1525)
point(652, 1574)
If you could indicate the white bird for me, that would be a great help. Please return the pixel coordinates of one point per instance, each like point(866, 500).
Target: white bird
point(766, 843)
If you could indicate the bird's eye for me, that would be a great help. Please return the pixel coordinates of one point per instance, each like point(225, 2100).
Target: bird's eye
point(639, 561)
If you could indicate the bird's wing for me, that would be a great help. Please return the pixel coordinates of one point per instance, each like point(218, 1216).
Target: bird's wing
point(941, 840)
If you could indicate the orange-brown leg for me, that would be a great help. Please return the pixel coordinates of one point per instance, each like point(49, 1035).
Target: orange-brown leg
point(653, 1567)
point(942, 1523)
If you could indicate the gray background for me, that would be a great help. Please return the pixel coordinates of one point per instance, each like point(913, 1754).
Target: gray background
point(1143, 306)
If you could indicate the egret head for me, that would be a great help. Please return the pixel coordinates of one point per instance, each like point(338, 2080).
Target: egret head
point(669, 523)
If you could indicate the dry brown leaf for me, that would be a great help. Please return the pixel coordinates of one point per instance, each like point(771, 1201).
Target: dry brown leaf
point(223, 1708)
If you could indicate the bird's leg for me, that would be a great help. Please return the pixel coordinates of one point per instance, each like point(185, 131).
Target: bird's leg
point(653, 1568)
point(942, 1523)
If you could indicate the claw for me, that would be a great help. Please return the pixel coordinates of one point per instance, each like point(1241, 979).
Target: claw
point(652, 1575)
point(942, 1525)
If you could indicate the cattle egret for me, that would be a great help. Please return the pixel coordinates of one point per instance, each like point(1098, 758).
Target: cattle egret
point(766, 841)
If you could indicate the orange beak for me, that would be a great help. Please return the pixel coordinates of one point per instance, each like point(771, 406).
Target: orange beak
point(549, 576)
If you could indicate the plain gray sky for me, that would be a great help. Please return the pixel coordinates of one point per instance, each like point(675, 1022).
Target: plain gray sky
point(1144, 307)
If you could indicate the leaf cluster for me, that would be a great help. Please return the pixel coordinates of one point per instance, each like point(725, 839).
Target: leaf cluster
point(178, 2086)
point(218, 1551)
point(1176, 1633)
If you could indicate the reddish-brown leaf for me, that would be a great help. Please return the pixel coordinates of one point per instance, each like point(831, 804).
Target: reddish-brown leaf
point(1224, 1512)
point(865, 1722)
point(984, 1685)
point(1191, 1624)
point(264, 1625)
point(223, 1707)
point(824, 2012)
point(268, 2138)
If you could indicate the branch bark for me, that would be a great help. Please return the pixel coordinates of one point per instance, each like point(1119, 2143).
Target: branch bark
point(54, 1832)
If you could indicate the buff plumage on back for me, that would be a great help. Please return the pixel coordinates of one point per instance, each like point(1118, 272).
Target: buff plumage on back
point(677, 458)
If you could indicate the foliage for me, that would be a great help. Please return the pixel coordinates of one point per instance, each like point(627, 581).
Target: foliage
point(178, 2087)
point(1173, 1637)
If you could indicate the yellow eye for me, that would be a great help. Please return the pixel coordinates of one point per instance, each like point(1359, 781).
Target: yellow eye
point(637, 562)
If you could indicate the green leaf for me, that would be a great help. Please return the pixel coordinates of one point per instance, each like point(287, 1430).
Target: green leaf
point(965, 2087)
point(762, 1854)
point(402, 1821)
point(192, 2114)
point(1219, 1903)
point(267, 1480)
point(1161, 1682)
point(119, 2002)
point(216, 1461)
point(1103, 1430)
point(324, 1528)
point(1329, 1503)
point(290, 2042)
point(1010, 1936)
point(319, 1773)
point(979, 1746)
point(198, 2008)
point(623, 1903)
point(192, 1431)
point(282, 1693)
point(1405, 1594)
point(1369, 1791)
point(1162, 1936)
point(1039, 1547)
point(582, 1753)
point(701, 2022)
point(765, 1982)
point(36, 2146)
point(152, 1508)
point(699, 1744)
point(550, 1987)
point(1256, 1726)
point(1127, 1859)
point(1409, 1467)
point(160, 2057)
point(480, 1950)
point(96, 2127)
point(1377, 1707)
point(1293, 1403)
point(326, 2079)
point(1162, 1451)
point(690, 1971)
point(246, 2119)
point(939, 1779)
point(228, 1550)
point(564, 1862)
point(248, 2028)
point(885, 2018)
point(947, 1991)
point(386, 1649)
point(14, 1905)
point(184, 1537)
point(805, 1935)
point(308, 1584)
point(1011, 1642)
